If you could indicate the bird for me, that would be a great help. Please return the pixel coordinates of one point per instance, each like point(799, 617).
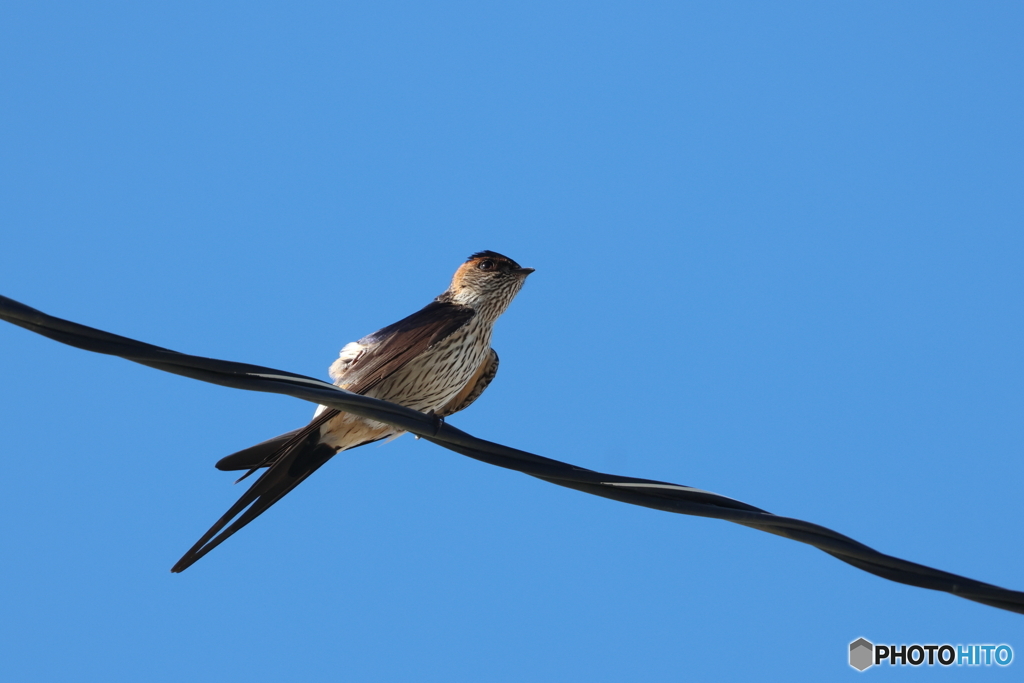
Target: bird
point(437, 361)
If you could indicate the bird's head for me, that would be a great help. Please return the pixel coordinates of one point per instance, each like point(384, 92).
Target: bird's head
point(487, 282)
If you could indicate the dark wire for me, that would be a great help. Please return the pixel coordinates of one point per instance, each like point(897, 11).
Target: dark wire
point(644, 492)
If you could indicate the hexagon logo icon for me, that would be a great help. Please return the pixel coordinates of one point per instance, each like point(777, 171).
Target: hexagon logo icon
point(862, 654)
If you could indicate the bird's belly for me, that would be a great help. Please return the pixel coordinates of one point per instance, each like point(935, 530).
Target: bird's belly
point(345, 431)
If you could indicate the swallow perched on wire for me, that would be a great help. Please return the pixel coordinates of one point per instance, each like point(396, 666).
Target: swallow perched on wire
point(438, 360)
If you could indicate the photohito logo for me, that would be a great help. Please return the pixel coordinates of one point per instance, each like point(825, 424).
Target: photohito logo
point(864, 654)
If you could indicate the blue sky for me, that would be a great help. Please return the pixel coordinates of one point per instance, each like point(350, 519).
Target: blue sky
point(778, 253)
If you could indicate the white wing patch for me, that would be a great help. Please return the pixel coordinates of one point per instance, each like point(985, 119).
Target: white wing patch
point(349, 355)
point(339, 368)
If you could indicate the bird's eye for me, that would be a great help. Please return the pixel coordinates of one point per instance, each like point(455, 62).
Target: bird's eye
point(486, 265)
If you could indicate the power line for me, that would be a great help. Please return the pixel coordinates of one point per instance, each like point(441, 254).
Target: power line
point(644, 492)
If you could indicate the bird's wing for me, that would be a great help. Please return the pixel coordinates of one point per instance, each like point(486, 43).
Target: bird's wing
point(382, 353)
point(471, 392)
point(293, 459)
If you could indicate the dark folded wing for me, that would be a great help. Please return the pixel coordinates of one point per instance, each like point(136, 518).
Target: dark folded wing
point(387, 350)
point(294, 458)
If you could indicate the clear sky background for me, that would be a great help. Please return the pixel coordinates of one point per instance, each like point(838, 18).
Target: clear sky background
point(779, 256)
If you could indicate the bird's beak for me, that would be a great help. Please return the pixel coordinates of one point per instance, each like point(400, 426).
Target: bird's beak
point(523, 271)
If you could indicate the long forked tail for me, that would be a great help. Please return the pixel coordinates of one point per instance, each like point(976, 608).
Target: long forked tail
point(289, 459)
point(254, 457)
